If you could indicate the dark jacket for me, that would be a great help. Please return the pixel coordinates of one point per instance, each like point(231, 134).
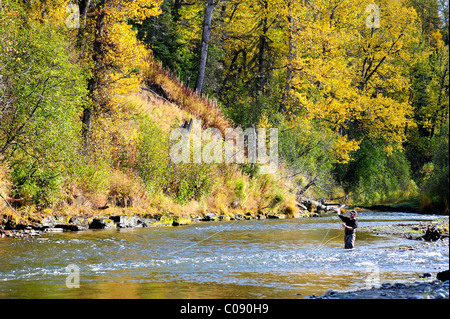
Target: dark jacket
point(353, 223)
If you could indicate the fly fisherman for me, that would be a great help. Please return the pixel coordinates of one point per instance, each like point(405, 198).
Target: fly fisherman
point(349, 224)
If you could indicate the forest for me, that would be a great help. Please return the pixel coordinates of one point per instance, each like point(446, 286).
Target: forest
point(90, 91)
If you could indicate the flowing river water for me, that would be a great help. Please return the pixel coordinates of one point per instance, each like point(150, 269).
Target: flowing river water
point(289, 258)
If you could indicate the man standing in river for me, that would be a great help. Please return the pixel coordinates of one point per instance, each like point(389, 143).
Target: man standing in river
point(349, 224)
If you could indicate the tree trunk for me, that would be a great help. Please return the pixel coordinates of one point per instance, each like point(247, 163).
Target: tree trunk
point(311, 183)
point(262, 54)
point(287, 86)
point(93, 83)
point(205, 43)
point(176, 11)
point(84, 7)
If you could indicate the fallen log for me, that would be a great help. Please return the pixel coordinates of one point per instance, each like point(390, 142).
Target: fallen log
point(321, 205)
point(157, 95)
point(433, 233)
point(9, 205)
point(300, 205)
point(311, 183)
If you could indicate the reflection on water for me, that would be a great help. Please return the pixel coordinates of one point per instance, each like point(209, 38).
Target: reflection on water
point(241, 259)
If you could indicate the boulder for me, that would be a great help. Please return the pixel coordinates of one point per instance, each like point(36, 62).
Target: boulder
point(101, 223)
point(146, 222)
point(68, 227)
point(48, 221)
point(276, 216)
point(97, 224)
point(39, 227)
point(126, 222)
point(330, 292)
point(443, 275)
point(209, 217)
point(224, 218)
point(54, 230)
point(178, 221)
point(116, 219)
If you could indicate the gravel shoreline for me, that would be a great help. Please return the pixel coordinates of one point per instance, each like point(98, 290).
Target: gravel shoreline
point(431, 289)
point(412, 231)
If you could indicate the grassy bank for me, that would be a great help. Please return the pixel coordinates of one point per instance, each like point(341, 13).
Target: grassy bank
point(130, 172)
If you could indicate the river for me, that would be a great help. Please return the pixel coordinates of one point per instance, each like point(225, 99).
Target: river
point(289, 258)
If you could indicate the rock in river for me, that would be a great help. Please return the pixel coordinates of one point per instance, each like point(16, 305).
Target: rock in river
point(443, 275)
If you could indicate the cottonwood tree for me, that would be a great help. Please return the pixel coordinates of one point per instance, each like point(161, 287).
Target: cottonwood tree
point(116, 55)
point(352, 78)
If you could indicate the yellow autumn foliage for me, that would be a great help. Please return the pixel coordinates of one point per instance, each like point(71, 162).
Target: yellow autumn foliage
point(351, 77)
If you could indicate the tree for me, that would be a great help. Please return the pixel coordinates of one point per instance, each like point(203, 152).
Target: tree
point(353, 78)
point(116, 55)
point(163, 34)
point(435, 178)
point(205, 43)
point(252, 35)
point(290, 57)
point(41, 96)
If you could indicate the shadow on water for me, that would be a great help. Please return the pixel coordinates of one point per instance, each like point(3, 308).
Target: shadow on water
point(241, 259)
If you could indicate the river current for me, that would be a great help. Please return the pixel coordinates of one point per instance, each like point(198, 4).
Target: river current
point(289, 258)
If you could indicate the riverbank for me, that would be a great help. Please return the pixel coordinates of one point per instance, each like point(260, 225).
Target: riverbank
point(425, 289)
point(411, 206)
point(62, 223)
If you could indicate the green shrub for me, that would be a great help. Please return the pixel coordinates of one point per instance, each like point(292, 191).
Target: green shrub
point(93, 173)
point(190, 181)
point(239, 188)
point(435, 175)
point(36, 186)
point(374, 176)
point(307, 149)
point(153, 160)
point(43, 91)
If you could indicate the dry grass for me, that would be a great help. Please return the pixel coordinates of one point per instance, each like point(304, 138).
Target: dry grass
point(5, 187)
point(201, 107)
point(165, 114)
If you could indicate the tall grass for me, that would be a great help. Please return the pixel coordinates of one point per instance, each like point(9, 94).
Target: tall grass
point(5, 185)
point(199, 106)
